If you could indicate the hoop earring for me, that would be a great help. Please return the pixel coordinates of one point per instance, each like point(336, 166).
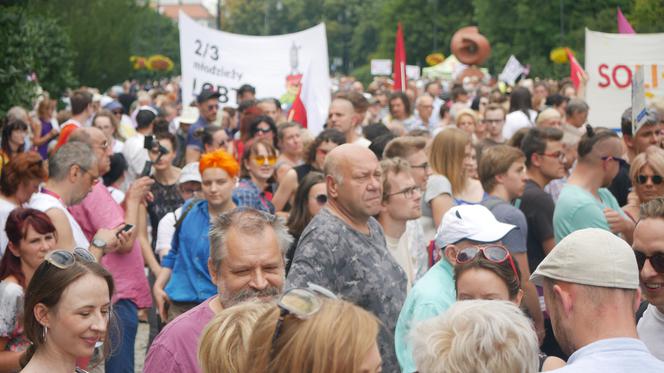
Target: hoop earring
point(44, 332)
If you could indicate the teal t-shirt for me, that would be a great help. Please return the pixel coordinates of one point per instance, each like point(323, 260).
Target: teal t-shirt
point(432, 295)
point(578, 209)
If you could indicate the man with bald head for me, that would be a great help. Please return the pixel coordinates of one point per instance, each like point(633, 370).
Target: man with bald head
point(343, 247)
point(98, 211)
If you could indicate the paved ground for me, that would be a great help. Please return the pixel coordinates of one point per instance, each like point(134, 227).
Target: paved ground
point(141, 343)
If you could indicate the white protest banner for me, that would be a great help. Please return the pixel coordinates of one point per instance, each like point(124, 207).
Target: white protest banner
point(413, 72)
point(611, 61)
point(512, 70)
point(381, 67)
point(273, 64)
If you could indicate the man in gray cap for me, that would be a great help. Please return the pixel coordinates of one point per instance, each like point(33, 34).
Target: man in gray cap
point(591, 290)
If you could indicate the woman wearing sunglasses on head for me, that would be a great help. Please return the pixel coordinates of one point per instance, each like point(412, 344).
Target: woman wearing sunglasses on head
point(646, 173)
point(67, 311)
point(490, 273)
point(31, 237)
point(309, 330)
point(255, 187)
point(310, 197)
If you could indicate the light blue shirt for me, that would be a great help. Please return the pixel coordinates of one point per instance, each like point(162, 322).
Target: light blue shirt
point(614, 355)
point(432, 295)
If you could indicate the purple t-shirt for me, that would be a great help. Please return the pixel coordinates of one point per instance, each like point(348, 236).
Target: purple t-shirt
point(175, 348)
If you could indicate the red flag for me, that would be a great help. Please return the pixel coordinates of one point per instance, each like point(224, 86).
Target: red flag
point(575, 70)
point(298, 113)
point(399, 65)
point(623, 24)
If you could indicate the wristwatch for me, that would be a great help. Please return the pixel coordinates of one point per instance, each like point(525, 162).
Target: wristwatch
point(99, 243)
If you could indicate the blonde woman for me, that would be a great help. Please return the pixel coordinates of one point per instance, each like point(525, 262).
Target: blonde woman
point(225, 340)
point(314, 334)
point(647, 176)
point(466, 120)
point(451, 184)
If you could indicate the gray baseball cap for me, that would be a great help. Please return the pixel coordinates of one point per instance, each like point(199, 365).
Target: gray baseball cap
point(593, 257)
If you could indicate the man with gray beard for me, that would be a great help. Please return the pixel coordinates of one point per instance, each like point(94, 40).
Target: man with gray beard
point(246, 262)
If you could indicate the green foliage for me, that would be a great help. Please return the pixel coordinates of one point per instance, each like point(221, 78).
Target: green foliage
point(647, 16)
point(35, 44)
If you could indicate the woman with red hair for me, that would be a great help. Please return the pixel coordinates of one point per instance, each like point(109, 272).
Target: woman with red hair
point(184, 281)
point(31, 237)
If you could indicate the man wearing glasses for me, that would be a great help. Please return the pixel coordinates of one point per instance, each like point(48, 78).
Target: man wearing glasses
point(584, 201)
point(401, 204)
point(462, 227)
point(494, 119)
point(649, 250)
point(208, 106)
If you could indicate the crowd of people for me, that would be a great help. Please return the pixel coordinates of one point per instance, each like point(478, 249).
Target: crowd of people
point(450, 227)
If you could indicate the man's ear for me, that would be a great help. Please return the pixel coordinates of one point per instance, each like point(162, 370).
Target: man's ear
point(212, 270)
point(629, 141)
point(73, 172)
point(450, 252)
point(332, 187)
point(536, 160)
point(565, 297)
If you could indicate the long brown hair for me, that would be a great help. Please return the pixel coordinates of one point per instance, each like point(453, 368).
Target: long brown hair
point(300, 215)
point(46, 287)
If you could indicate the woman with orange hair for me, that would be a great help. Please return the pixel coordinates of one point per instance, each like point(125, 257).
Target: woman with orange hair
point(184, 280)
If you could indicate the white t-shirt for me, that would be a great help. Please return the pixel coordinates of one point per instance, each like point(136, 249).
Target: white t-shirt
point(651, 331)
point(165, 232)
point(398, 247)
point(362, 141)
point(5, 208)
point(44, 202)
point(516, 120)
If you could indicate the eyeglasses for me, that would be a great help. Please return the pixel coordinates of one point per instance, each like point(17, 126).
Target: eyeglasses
point(66, 259)
point(262, 160)
point(493, 121)
point(559, 154)
point(494, 253)
point(301, 303)
point(263, 130)
point(321, 199)
point(423, 166)
point(213, 107)
point(407, 192)
point(656, 261)
point(621, 162)
point(94, 178)
point(656, 179)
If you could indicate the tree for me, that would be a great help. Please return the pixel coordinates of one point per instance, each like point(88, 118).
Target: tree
point(35, 45)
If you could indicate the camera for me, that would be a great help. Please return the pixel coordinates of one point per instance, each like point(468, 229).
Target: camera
point(151, 144)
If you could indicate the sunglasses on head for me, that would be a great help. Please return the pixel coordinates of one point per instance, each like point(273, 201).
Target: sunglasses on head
point(656, 179)
point(301, 303)
point(656, 261)
point(321, 199)
point(494, 253)
point(263, 159)
point(66, 259)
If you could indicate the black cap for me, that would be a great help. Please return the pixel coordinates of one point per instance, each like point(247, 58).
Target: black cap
point(207, 94)
point(246, 88)
point(145, 116)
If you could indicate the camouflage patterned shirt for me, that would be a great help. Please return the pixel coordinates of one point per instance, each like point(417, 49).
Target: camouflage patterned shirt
point(355, 266)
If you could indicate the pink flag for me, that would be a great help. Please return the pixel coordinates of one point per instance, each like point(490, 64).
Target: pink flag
point(623, 24)
point(575, 70)
point(399, 65)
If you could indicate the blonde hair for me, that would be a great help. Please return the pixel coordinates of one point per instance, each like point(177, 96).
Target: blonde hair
point(477, 336)
point(333, 340)
point(464, 112)
point(653, 157)
point(225, 340)
point(394, 166)
point(446, 156)
point(546, 114)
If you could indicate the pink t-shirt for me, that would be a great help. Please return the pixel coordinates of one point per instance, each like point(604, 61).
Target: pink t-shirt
point(175, 348)
point(99, 210)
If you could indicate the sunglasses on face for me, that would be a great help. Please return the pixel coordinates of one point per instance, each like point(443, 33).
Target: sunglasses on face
point(656, 261)
point(656, 179)
point(494, 253)
point(321, 199)
point(263, 130)
point(262, 160)
point(620, 161)
point(301, 303)
point(66, 259)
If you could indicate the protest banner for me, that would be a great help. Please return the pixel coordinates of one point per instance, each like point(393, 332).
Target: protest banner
point(381, 67)
point(274, 65)
point(512, 71)
point(611, 61)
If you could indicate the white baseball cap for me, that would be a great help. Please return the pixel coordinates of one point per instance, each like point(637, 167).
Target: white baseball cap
point(190, 173)
point(593, 257)
point(470, 222)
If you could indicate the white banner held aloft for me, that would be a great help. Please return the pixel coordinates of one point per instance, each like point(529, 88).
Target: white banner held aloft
point(512, 70)
point(273, 64)
point(413, 72)
point(610, 73)
point(381, 67)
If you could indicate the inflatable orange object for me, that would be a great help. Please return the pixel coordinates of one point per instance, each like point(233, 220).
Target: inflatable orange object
point(469, 46)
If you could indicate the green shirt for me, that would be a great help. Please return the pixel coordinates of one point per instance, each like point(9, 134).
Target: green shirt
point(578, 209)
point(432, 295)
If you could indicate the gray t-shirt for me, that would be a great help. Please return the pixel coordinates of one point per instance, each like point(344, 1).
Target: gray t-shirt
point(651, 330)
point(436, 185)
point(514, 240)
point(355, 266)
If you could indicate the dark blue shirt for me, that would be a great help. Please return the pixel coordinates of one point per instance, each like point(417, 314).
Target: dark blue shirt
point(193, 140)
point(190, 280)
